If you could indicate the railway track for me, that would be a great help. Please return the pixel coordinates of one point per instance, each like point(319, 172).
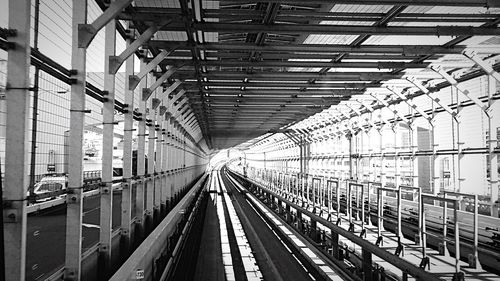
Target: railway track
point(279, 251)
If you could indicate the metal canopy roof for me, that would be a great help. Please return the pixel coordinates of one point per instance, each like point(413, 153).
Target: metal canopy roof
point(251, 67)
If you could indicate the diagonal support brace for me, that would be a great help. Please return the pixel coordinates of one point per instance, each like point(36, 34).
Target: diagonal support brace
point(484, 65)
point(172, 88)
point(135, 79)
point(87, 32)
point(116, 61)
point(146, 92)
point(460, 88)
point(359, 114)
point(382, 101)
point(428, 93)
point(409, 102)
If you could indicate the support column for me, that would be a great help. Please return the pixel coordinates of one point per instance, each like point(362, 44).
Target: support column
point(141, 163)
point(16, 146)
point(165, 195)
point(151, 118)
point(126, 217)
point(169, 191)
point(157, 171)
point(106, 186)
point(492, 143)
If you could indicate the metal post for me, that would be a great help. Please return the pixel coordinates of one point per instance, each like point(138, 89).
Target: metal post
point(457, 236)
point(157, 169)
point(380, 211)
point(151, 165)
point(348, 202)
point(362, 206)
point(424, 230)
point(166, 194)
point(399, 230)
point(16, 148)
point(74, 199)
point(445, 225)
point(141, 161)
point(367, 265)
point(106, 189)
point(476, 234)
point(492, 143)
point(420, 212)
point(383, 179)
point(126, 206)
point(34, 122)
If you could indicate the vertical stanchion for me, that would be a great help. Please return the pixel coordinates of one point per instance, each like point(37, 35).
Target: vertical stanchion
point(157, 171)
point(150, 184)
point(445, 226)
point(399, 231)
point(164, 166)
point(106, 187)
point(367, 265)
point(126, 204)
point(380, 211)
point(476, 234)
point(141, 161)
point(16, 140)
point(348, 202)
point(457, 237)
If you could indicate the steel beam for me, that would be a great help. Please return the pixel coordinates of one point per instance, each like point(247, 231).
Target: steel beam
point(16, 141)
point(344, 29)
point(87, 32)
point(74, 199)
point(106, 186)
point(316, 48)
point(451, 3)
point(307, 64)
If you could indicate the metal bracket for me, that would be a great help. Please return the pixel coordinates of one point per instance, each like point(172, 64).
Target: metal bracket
point(87, 32)
point(460, 88)
point(116, 61)
point(426, 91)
point(484, 65)
point(155, 103)
point(135, 79)
point(409, 102)
point(382, 101)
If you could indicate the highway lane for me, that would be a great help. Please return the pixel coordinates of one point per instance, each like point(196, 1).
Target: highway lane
point(46, 235)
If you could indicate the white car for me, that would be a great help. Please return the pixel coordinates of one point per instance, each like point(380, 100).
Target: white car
point(50, 185)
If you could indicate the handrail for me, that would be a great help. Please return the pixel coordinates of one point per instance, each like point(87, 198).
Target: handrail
point(400, 263)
